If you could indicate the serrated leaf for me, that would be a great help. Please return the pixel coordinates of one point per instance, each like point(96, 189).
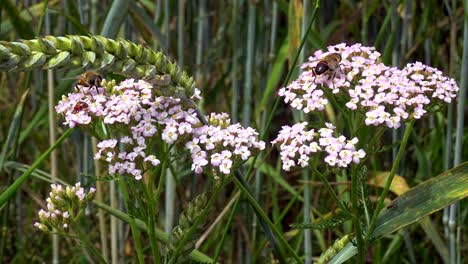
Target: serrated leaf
point(331, 222)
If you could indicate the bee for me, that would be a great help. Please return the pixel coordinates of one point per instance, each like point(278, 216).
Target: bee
point(328, 64)
point(89, 79)
point(80, 106)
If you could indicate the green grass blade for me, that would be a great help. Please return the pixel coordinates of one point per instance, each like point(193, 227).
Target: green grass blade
point(11, 190)
point(14, 129)
point(275, 75)
point(115, 18)
point(422, 200)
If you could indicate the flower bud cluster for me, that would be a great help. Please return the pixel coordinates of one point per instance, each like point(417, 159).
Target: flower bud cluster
point(385, 95)
point(64, 204)
point(298, 145)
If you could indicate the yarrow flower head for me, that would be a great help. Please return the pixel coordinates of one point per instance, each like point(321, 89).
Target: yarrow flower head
point(385, 95)
point(298, 145)
point(133, 110)
point(64, 206)
point(222, 145)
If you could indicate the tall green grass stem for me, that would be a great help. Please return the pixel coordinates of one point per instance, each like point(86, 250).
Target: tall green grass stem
point(396, 162)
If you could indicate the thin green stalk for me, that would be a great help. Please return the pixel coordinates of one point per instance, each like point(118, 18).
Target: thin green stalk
point(356, 215)
point(235, 58)
point(261, 214)
point(135, 232)
point(331, 191)
point(99, 197)
point(305, 174)
point(226, 229)
point(200, 26)
point(449, 128)
point(114, 223)
point(52, 137)
point(154, 198)
point(384, 193)
point(278, 222)
point(166, 24)
point(249, 64)
point(459, 134)
point(180, 32)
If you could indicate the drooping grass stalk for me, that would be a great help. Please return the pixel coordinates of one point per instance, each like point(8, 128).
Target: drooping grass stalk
point(249, 64)
point(388, 182)
point(235, 58)
point(454, 251)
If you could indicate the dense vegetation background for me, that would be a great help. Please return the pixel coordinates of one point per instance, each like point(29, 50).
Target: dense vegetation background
point(240, 53)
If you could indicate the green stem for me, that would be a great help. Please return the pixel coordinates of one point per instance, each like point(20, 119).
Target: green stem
point(135, 232)
point(356, 214)
point(261, 214)
point(151, 223)
point(384, 193)
point(83, 237)
point(331, 191)
point(197, 222)
point(226, 229)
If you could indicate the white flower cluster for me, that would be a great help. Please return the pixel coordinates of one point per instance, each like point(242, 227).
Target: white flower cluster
point(297, 145)
point(222, 144)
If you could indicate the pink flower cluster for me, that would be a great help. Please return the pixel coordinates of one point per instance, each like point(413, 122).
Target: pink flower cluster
point(138, 116)
point(385, 95)
point(221, 144)
point(63, 204)
point(297, 145)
